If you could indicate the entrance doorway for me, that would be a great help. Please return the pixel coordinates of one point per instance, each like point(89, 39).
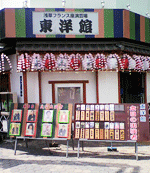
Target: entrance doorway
point(132, 87)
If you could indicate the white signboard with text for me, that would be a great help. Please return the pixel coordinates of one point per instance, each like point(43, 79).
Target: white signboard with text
point(65, 23)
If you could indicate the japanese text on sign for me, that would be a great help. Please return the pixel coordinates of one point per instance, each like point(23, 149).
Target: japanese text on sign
point(65, 23)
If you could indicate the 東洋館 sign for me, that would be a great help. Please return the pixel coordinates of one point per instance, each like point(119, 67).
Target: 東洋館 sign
point(65, 23)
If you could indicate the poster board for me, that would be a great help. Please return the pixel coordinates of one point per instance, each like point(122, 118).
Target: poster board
point(120, 122)
point(40, 120)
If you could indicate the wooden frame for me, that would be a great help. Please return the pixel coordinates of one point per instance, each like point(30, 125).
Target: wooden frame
point(67, 82)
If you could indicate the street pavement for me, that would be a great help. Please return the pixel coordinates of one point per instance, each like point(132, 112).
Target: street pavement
point(38, 157)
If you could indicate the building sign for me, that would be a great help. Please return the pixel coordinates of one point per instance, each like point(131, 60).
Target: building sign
point(65, 23)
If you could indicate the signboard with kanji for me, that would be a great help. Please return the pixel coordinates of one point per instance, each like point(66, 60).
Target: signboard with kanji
point(65, 23)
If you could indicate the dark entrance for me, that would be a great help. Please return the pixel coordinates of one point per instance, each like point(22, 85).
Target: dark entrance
point(132, 87)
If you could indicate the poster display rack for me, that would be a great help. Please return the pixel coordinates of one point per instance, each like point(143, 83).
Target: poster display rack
point(40, 122)
point(104, 122)
point(47, 139)
point(112, 123)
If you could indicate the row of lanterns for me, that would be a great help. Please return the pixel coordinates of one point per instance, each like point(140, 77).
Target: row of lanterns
point(2, 63)
point(85, 62)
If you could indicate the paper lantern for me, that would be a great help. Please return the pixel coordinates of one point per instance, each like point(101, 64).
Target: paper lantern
point(100, 62)
point(2, 62)
point(63, 62)
point(125, 61)
point(75, 61)
point(112, 62)
point(36, 62)
point(132, 63)
point(49, 61)
point(87, 62)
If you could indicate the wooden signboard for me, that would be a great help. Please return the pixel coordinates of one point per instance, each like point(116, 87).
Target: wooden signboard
point(119, 122)
point(41, 120)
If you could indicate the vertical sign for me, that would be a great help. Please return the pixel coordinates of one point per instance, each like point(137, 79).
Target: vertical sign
point(20, 86)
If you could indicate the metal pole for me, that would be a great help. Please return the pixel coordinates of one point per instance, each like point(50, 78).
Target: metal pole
point(136, 144)
point(82, 146)
point(26, 143)
point(67, 148)
point(15, 146)
point(78, 148)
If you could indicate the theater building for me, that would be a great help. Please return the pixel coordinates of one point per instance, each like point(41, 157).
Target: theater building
point(76, 55)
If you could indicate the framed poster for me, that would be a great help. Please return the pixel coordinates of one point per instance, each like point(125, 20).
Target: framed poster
point(91, 115)
point(14, 129)
point(63, 130)
point(87, 115)
point(31, 116)
point(77, 115)
point(82, 115)
point(30, 129)
point(16, 115)
point(46, 130)
point(63, 116)
point(47, 116)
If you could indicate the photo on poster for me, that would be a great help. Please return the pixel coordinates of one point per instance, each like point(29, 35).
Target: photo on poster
point(97, 107)
point(142, 106)
point(87, 107)
point(82, 125)
point(63, 116)
point(14, 129)
point(46, 130)
point(63, 130)
point(31, 115)
point(106, 125)
point(16, 115)
point(101, 107)
point(91, 125)
point(122, 126)
point(111, 126)
point(87, 125)
point(142, 112)
point(96, 125)
point(143, 119)
point(78, 107)
point(30, 129)
point(82, 107)
point(47, 116)
point(112, 107)
point(117, 125)
point(77, 125)
point(107, 108)
point(92, 107)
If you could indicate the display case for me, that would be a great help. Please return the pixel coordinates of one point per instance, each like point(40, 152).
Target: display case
point(6, 98)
